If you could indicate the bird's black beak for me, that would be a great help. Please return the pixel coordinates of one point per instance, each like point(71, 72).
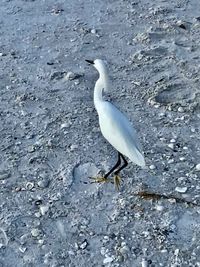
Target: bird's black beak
point(90, 61)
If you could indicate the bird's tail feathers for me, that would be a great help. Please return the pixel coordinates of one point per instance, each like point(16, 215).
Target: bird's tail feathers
point(138, 158)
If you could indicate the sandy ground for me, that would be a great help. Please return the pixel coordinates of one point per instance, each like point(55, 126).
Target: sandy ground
point(50, 213)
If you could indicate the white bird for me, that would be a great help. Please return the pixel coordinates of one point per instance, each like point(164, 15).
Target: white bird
point(115, 127)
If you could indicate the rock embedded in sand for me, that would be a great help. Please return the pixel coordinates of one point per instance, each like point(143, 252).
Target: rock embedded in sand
point(181, 189)
point(35, 232)
point(197, 167)
point(108, 259)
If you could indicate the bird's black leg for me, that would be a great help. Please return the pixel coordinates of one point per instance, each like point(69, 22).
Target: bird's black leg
point(114, 167)
point(117, 178)
point(123, 166)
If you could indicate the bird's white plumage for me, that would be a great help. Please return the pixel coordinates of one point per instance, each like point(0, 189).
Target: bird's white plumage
point(114, 125)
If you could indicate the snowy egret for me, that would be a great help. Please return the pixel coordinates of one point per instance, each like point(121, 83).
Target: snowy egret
point(115, 127)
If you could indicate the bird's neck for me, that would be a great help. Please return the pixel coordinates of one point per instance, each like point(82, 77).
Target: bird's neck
point(100, 86)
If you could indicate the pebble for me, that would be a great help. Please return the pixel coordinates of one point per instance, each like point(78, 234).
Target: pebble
point(108, 260)
point(106, 238)
point(198, 167)
point(35, 232)
point(29, 185)
point(156, 105)
point(181, 189)
point(172, 140)
point(159, 207)
point(43, 183)
point(64, 125)
point(171, 146)
point(17, 189)
point(71, 252)
point(144, 263)
point(94, 31)
point(180, 109)
point(31, 149)
point(37, 214)
point(84, 244)
point(23, 239)
point(124, 249)
point(152, 167)
point(41, 241)
point(44, 209)
point(22, 249)
point(181, 179)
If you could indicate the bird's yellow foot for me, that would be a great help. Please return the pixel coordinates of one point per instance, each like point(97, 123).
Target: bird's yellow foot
point(117, 181)
point(99, 179)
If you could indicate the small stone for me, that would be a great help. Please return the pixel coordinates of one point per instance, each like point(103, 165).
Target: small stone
point(152, 167)
point(170, 161)
point(103, 251)
point(17, 189)
point(181, 189)
point(197, 167)
point(159, 207)
point(181, 179)
point(182, 158)
point(71, 252)
point(35, 232)
point(31, 149)
point(41, 241)
point(64, 125)
point(22, 249)
point(38, 202)
point(171, 146)
point(124, 249)
point(84, 244)
point(29, 185)
point(76, 246)
point(37, 214)
point(108, 260)
point(44, 209)
point(23, 239)
point(93, 31)
point(180, 109)
point(172, 140)
point(144, 263)
point(43, 183)
point(156, 105)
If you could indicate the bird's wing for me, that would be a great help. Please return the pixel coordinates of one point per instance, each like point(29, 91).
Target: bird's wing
point(119, 132)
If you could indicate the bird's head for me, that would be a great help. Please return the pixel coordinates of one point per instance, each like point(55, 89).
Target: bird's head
point(103, 81)
point(100, 65)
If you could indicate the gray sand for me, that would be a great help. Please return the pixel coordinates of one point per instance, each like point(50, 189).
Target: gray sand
point(50, 213)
